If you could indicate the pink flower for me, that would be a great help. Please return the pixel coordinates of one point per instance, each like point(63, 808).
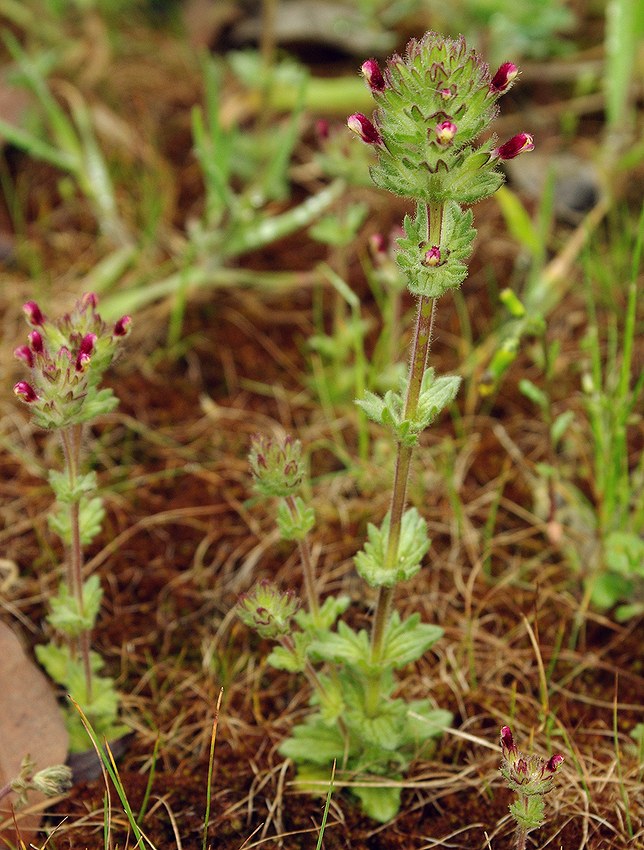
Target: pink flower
point(89, 299)
point(504, 78)
point(24, 353)
point(520, 143)
point(373, 75)
point(36, 342)
point(122, 326)
point(432, 257)
point(508, 746)
point(362, 127)
point(85, 351)
point(445, 132)
point(33, 313)
point(25, 391)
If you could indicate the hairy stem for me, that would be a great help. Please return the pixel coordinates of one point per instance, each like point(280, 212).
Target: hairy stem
point(419, 355)
point(71, 439)
point(307, 568)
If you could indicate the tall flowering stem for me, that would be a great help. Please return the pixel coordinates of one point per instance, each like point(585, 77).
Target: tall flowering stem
point(67, 358)
point(432, 104)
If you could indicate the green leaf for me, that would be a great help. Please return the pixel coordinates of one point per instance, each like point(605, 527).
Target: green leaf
point(535, 395)
point(561, 425)
point(408, 640)
point(296, 525)
point(379, 802)
point(60, 665)
point(529, 812)
point(66, 493)
point(344, 647)
point(609, 589)
point(293, 661)
point(314, 742)
point(91, 517)
point(66, 615)
point(624, 554)
point(424, 721)
point(435, 395)
point(382, 731)
point(413, 545)
point(518, 221)
point(329, 612)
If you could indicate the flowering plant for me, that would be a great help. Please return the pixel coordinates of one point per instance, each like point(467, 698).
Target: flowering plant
point(530, 777)
point(432, 106)
point(67, 358)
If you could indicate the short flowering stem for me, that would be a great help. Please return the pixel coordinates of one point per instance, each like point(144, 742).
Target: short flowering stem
point(71, 439)
point(307, 567)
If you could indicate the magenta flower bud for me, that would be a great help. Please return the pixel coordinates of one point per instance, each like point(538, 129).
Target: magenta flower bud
point(507, 741)
point(36, 342)
point(521, 143)
point(26, 392)
point(553, 763)
point(322, 129)
point(362, 126)
point(24, 353)
point(445, 132)
point(85, 351)
point(89, 299)
point(432, 257)
point(122, 327)
point(87, 344)
point(504, 78)
point(33, 313)
point(373, 75)
point(377, 244)
point(446, 94)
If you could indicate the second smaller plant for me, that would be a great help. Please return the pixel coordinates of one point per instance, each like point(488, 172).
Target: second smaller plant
point(67, 358)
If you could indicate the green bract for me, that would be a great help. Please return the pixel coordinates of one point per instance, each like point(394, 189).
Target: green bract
point(457, 236)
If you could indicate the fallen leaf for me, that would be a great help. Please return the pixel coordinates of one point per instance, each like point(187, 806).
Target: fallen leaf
point(31, 722)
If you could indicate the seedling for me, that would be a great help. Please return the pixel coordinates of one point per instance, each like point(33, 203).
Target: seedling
point(432, 105)
point(67, 358)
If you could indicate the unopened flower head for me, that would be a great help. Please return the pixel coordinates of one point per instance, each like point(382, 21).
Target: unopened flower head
point(364, 128)
point(276, 465)
point(504, 78)
point(67, 358)
point(432, 257)
point(52, 780)
point(521, 143)
point(529, 775)
point(33, 313)
point(122, 326)
point(373, 75)
point(268, 610)
point(445, 132)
